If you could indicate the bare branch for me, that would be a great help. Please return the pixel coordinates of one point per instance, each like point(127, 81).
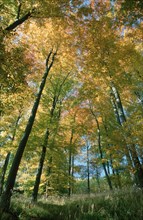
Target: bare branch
point(19, 9)
point(19, 21)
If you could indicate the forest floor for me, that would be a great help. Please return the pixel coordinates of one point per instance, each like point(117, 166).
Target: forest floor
point(117, 205)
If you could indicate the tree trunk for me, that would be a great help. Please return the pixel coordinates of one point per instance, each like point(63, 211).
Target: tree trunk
point(49, 171)
point(138, 166)
point(118, 103)
point(16, 126)
point(41, 163)
point(100, 151)
point(131, 148)
point(72, 174)
point(127, 152)
point(54, 104)
point(70, 163)
point(111, 162)
point(108, 167)
point(101, 155)
point(115, 108)
point(39, 172)
point(88, 170)
point(4, 172)
point(6, 195)
point(38, 176)
point(107, 176)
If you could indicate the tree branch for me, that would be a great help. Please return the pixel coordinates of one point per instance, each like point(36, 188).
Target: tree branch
point(19, 21)
point(18, 10)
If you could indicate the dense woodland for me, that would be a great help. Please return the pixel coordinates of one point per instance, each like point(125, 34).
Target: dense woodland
point(71, 97)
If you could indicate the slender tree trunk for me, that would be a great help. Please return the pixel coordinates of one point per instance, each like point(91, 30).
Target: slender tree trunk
point(100, 151)
point(131, 148)
point(16, 126)
point(39, 172)
point(138, 166)
point(49, 171)
point(72, 174)
point(108, 167)
point(38, 175)
point(6, 195)
point(54, 104)
point(101, 155)
point(111, 162)
point(115, 108)
point(69, 190)
point(70, 163)
point(4, 169)
point(107, 176)
point(88, 170)
point(118, 103)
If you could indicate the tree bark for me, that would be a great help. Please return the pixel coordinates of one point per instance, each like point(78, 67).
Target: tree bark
point(118, 103)
point(137, 165)
point(16, 126)
point(6, 195)
point(72, 174)
point(88, 169)
point(41, 163)
point(115, 107)
point(101, 155)
point(39, 172)
point(131, 148)
point(100, 151)
point(49, 171)
point(70, 163)
point(4, 169)
point(18, 21)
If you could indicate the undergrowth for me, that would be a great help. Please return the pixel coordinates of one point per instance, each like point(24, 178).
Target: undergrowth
point(119, 205)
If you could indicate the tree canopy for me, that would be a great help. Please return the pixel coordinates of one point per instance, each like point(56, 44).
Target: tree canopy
point(71, 97)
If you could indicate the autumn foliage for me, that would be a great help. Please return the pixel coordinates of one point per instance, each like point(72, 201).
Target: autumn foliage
point(87, 123)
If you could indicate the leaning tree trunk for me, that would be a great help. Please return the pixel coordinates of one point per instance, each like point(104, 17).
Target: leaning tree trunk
point(118, 103)
point(39, 172)
point(131, 148)
point(138, 166)
point(16, 126)
point(115, 108)
point(4, 172)
point(6, 195)
point(43, 154)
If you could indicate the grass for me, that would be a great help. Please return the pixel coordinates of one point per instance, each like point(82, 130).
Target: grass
point(119, 205)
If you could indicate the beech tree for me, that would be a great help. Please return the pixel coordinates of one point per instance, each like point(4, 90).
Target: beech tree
point(6, 195)
point(57, 94)
point(99, 65)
